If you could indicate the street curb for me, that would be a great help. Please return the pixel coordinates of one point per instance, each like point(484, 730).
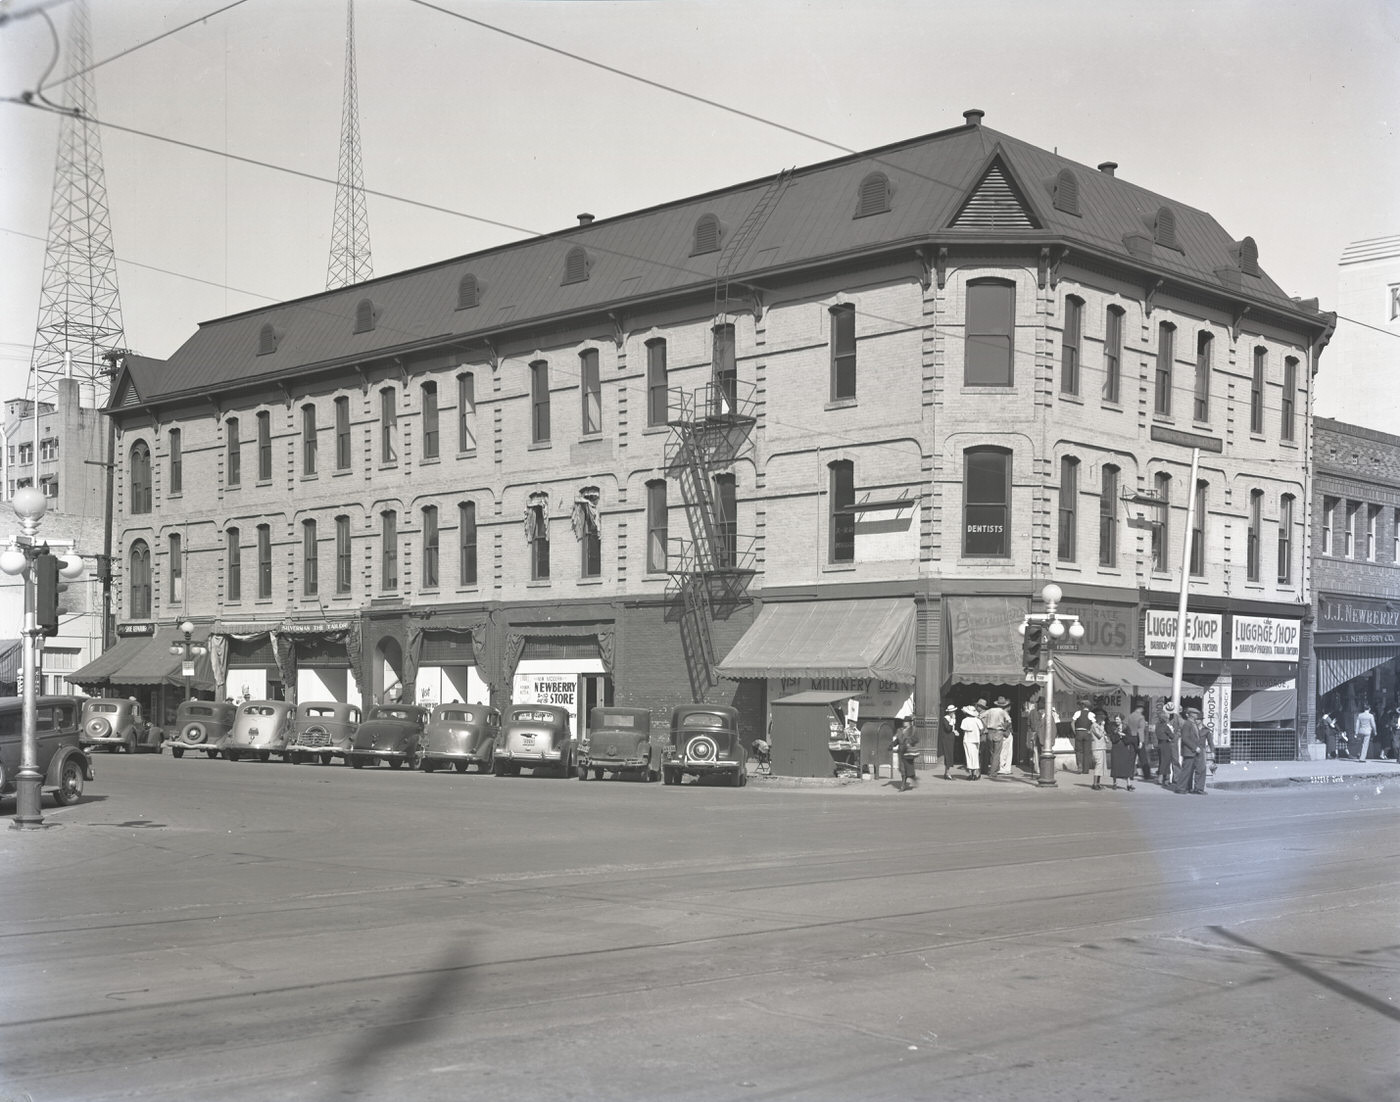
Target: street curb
point(1312, 779)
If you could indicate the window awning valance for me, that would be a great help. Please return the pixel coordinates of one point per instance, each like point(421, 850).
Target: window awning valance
point(144, 661)
point(1101, 673)
point(853, 638)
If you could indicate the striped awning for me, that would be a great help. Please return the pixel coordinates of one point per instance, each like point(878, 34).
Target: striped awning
point(1338, 665)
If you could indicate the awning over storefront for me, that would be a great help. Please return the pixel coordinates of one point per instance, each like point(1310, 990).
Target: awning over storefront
point(144, 661)
point(1267, 706)
point(984, 646)
point(872, 638)
point(1101, 673)
point(1338, 665)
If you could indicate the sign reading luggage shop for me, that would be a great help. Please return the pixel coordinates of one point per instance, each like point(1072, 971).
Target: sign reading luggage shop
point(1204, 632)
point(1264, 637)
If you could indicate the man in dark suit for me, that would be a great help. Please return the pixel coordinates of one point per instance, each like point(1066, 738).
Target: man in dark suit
point(1193, 755)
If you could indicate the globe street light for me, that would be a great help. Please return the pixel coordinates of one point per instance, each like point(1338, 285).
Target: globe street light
point(1043, 630)
point(41, 568)
point(186, 651)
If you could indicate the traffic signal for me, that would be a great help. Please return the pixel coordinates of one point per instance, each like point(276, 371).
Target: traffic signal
point(47, 587)
point(1033, 647)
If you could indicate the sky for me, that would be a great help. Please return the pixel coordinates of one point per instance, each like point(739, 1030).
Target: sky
point(1278, 117)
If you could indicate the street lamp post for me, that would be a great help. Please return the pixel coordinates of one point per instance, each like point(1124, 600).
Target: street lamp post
point(40, 567)
point(1044, 630)
point(186, 650)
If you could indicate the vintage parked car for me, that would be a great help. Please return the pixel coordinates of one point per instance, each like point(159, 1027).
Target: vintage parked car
point(116, 723)
point(201, 725)
point(460, 735)
point(322, 730)
point(705, 743)
point(62, 762)
point(260, 730)
point(389, 732)
point(619, 742)
point(534, 737)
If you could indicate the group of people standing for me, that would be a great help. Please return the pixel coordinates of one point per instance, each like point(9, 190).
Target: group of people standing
point(975, 726)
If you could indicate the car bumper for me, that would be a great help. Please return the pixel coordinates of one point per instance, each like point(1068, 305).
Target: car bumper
point(615, 764)
point(112, 740)
point(381, 755)
point(206, 745)
point(546, 758)
point(702, 767)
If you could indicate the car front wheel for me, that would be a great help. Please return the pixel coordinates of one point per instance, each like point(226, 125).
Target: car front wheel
point(70, 783)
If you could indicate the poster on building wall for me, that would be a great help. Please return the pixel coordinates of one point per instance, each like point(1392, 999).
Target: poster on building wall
point(1265, 637)
point(1215, 712)
point(1204, 631)
point(559, 689)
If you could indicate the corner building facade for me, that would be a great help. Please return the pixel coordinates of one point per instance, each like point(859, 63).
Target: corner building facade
point(832, 429)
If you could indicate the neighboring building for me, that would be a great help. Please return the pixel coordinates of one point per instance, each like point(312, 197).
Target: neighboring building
point(1363, 367)
point(832, 429)
point(1356, 573)
point(64, 453)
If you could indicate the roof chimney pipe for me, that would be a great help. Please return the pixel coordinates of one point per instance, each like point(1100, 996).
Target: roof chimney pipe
point(974, 116)
point(585, 219)
point(1108, 168)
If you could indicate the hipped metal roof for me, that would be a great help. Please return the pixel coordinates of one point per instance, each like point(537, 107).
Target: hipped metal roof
point(647, 254)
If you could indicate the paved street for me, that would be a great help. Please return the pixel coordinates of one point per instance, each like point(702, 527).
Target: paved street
point(215, 931)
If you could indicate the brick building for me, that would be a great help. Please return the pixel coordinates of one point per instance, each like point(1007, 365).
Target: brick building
point(832, 428)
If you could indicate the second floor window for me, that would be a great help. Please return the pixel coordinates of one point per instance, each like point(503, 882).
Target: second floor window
point(591, 388)
point(140, 477)
point(342, 434)
point(466, 543)
point(1108, 517)
point(310, 561)
point(388, 426)
point(140, 581)
point(843, 352)
point(48, 449)
point(986, 503)
point(1161, 528)
point(308, 440)
point(658, 393)
point(841, 510)
point(1166, 355)
point(342, 554)
point(537, 536)
point(1329, 521)
point(1256, 393)
point(388, 551)
point(429, 398)
point(1373, 520)
point(1070, 345)
point(726, 522)
point(539, 402)
point(1350, 535)
point(989, 343)
point(587, 529)
point(1285, 540)
point(1198, 532)
point(176, 570)
point(233, 453)
point(430, 547)
point(264, 447)
point(1068, 512)
point(657, 534)
point(233, 565)
point(177, 462)
point(1256, 525)
point(264, 561)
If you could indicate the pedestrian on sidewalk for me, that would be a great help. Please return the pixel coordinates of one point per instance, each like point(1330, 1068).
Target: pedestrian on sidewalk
point(906, 745)
point(996, 723)
point(1193, 755)
point(948, 737)
point(1098, 752)
point(972, 741)
point(1168, 769)
point(1083, 723)
point(1123, 754)
point(1136, 726)
point(1327, 732)
point(1365, 731)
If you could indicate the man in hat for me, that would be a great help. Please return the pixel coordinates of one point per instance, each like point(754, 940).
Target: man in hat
point(948, 737)
point(1193, 755)
point(1136, 725)
point(972, 741)
point(997, 721)
point(1166, 734)
point(1083, 723)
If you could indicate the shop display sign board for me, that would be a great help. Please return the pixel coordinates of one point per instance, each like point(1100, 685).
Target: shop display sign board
point(547, 688)
point(1264, 637)
point(1204, 631)
point(1215, 712)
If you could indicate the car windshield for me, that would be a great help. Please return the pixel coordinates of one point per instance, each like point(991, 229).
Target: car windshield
point(393, 713)
point(532, 715)
point(199, 711)
point(455, 716)
point(704, 719)
point(107, 709)
point(260, 710)
point(323, 713)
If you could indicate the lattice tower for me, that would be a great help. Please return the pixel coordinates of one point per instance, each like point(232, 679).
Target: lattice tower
point(80, 314)
point(350, 256)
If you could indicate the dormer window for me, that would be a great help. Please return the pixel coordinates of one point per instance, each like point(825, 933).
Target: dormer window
point(576, 265)
point(706, 235)
point(1248, 253)
point(468, 292)
point(874, 196)
point(1067, 192)
point(1164, 229)
point(364, 316)
point(267, 340)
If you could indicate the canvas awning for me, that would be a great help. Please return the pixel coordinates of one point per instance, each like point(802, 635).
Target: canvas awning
point(144, 661)
point(1338, 665)
point(983, 644)
point(1101, 673)
point(871, 638)
point(1266, 706)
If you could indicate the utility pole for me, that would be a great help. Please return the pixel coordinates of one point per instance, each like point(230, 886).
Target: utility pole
point(350, 260)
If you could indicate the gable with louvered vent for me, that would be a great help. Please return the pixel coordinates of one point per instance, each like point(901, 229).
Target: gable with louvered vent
point(874, 196)
point(996, 203)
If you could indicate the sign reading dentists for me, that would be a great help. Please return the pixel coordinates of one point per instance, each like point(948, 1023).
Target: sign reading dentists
point(1204, 633)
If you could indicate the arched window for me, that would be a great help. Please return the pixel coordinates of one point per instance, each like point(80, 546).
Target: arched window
point(874, 196)
point(726, 521)
point(140, 466)
point(308, 439)
point(591, 389)
point(342, 554)
point(989, 343)
point(986, 502)
point(707, 235)
point(539, 402)
point(264, 561)
point(1256, 390)
point(264, 446)
point(140, 574)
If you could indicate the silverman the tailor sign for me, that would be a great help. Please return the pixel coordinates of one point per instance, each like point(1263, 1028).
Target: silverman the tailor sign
point(1204, 632)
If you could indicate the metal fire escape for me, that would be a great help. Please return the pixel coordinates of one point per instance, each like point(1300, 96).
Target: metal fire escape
point(711, 427)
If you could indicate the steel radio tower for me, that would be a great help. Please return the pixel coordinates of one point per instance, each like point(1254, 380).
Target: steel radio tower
point(80, 314)
point(350, 257)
